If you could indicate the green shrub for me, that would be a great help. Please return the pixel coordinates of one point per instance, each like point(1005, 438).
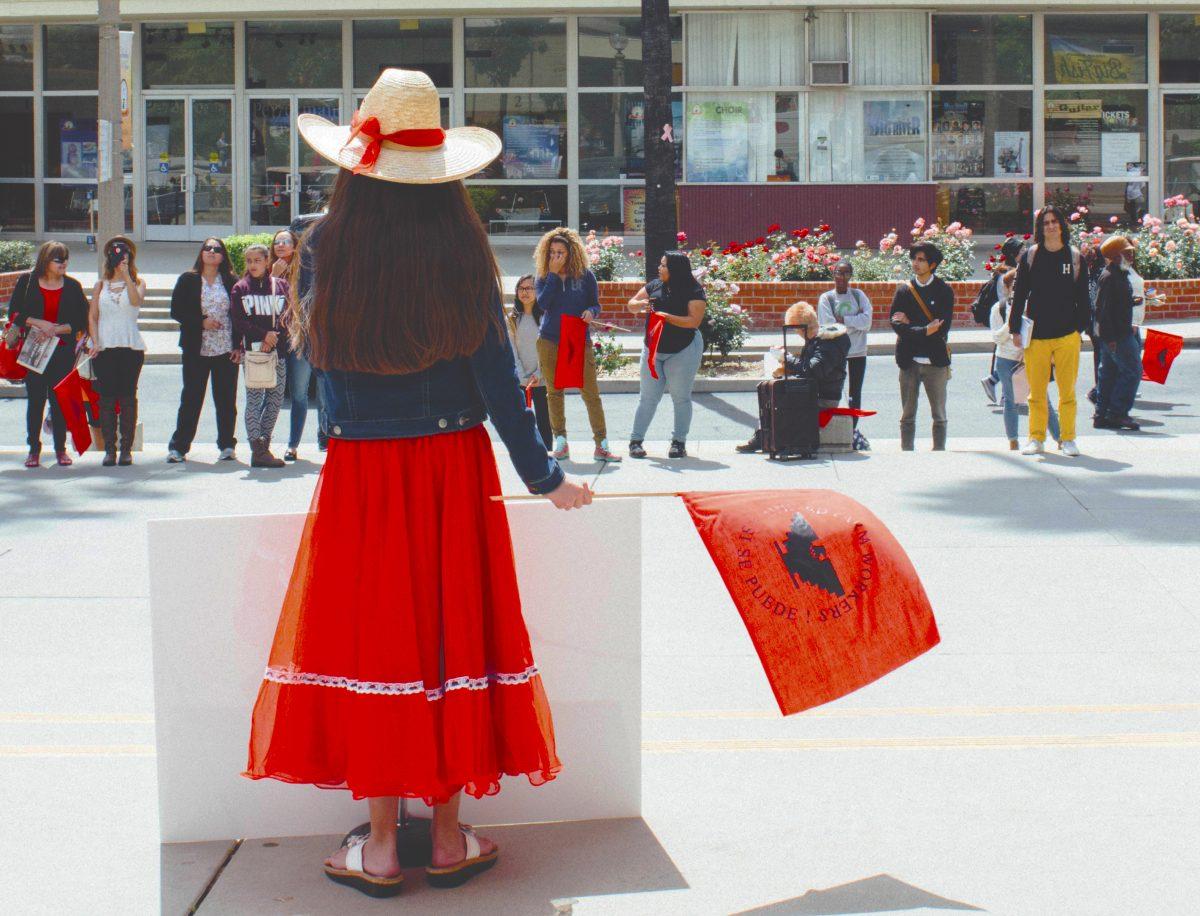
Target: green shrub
point(16, 256)
point(609, 356)
point(237, 245)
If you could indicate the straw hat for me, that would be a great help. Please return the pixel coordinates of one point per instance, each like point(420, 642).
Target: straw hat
point(1115, 245)
point(397, 135)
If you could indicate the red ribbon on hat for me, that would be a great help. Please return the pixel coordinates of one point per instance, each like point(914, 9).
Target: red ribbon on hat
point(418, 139)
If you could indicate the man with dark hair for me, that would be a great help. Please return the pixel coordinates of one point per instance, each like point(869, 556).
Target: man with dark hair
point(922, 311)
point(989, 295)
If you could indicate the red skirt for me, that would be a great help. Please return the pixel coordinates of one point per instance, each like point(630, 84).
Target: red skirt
point(401, 664)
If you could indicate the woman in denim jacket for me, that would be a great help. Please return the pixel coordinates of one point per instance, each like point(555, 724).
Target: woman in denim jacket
point(401, 665)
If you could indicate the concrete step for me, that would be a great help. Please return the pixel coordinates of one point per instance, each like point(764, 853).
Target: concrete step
point(153, 325)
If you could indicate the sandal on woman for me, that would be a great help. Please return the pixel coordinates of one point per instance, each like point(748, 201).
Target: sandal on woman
point(34, 460)
point(473, 863)
point(63, 459)
point(356, 876)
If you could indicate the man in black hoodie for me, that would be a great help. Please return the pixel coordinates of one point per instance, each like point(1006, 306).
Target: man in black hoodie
point(1117, 341)
point(922, 311)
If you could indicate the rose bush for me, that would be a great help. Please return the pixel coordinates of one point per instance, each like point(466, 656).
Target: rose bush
point(888, 260)
point(607, 257)
point(780, 254)
point(1167, 249)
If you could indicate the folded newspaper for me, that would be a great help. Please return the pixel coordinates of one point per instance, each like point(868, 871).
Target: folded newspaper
point(36, 351)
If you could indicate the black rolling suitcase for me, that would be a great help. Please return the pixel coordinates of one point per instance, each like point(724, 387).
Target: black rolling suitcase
point(788, 415)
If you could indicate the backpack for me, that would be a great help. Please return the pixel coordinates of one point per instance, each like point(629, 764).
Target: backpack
point(981, 309)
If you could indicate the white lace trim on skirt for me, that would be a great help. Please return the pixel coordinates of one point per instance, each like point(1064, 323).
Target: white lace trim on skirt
point(397, 688)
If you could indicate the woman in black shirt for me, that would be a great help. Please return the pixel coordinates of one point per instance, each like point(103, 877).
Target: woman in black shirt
point(1052, 290)
point(679, 298)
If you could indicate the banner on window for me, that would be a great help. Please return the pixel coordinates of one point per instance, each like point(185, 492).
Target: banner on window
point(77, 146)
point(530, 150)
point(1088, 59)
point(718, 147)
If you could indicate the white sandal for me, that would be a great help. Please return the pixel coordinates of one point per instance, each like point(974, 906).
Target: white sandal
point(356, 876)
point(473, 863)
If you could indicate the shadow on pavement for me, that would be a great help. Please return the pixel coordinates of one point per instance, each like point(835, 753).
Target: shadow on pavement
point(725, 409)
point(879, 894)
point(538, 863)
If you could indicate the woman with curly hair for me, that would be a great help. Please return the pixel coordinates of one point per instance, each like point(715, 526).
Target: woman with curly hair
point(565, 286)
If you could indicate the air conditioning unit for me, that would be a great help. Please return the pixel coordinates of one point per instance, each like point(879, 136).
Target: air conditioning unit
point(829, 73)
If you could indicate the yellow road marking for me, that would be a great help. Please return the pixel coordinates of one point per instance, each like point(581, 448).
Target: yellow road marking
point(82, 750)
point(58, 718)
point(1179, 739)
point(932, 711)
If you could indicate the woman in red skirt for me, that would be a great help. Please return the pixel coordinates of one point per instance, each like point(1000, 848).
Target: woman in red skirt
point(401, 665)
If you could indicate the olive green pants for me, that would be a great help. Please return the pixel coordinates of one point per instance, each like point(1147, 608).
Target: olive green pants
point(548, 358)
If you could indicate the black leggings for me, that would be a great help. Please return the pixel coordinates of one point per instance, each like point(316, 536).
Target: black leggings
point(856, 368)
point(118, 371)
point(39, 388)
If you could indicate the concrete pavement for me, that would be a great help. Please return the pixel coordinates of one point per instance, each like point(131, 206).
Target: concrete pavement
point(1042, 759)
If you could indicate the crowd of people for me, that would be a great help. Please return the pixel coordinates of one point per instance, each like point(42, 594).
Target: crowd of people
point(1043, 297)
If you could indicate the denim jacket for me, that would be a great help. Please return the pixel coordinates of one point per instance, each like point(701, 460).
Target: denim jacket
point(449, 396)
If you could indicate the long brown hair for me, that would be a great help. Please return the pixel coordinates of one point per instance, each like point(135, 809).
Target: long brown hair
point(110, 272)
point(274, 257)
point(577, 259)
point(403, 277)
point(48, 250)
point(224, 269)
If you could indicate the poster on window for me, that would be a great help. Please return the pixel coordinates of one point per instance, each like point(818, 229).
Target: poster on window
point(1010, 151)
point(718, 147)
point(894, 140)
point(1120, 155)
point(1095, 59)
point(77, 147)
point(633, 210)
point(957, 136)
point(530, 149)
point(1073, 137)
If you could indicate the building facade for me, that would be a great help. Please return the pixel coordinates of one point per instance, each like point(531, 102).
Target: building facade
point(983, 114)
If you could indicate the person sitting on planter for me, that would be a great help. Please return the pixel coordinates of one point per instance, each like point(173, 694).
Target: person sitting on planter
point(823, 360)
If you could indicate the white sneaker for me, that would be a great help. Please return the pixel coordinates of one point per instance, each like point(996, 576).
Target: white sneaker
point(1070, 449)
point(1033, 447)
point(227, 454)
point(174, 457)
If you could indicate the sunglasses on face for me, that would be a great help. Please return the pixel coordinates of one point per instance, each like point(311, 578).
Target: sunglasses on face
point(59, 260)
point(215, 249)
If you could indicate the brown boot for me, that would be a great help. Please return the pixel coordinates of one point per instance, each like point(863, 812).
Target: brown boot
point(127, 421)
point(262, 457)
point(108, 429)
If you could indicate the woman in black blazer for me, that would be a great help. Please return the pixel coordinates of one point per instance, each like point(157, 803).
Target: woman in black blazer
point(50, 301)
point(200, 303)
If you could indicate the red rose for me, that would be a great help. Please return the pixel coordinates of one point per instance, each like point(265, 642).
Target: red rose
point(639, 254)
point(766, 249)
point(758, 276)
point(681, 237)
point(759, 240)
point(803, 234)
point(1027, 236)
point(707, 252)
point(998, 247)
point(796, 234)
point(1009, 235)
point(824, 227)
point(774, 227)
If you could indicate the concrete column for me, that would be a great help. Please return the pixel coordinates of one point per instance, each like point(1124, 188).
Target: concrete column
point(111, 186)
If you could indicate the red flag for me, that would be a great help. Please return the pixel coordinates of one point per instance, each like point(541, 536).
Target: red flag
point(72, 402)
point(572, 341)
point(830, 412)
point(828, 595)
point(655, 322)
point(1160, 351)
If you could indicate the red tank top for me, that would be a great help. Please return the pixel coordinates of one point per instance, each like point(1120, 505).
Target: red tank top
point(51, 297)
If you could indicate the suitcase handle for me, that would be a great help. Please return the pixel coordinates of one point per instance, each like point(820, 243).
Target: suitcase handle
point(785, 330)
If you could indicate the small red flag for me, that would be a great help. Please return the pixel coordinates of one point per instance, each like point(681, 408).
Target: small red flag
point(529, 395)
point(830, 412)
point(572, 341)
point(72, 401)
point(1160, 351)
point(655, 322)
point(828, 595)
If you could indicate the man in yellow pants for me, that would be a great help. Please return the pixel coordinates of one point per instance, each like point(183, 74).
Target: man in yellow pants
point(1050, 308)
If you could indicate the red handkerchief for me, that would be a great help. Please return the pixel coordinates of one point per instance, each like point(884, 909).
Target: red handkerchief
point(572, 340)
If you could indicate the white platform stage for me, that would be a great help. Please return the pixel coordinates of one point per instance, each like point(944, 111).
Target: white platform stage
point(214, 613)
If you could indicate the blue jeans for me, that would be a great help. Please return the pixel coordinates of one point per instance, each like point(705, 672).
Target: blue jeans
point(677, 374)
point(1005, 369)
point(1120, 375)
point(299, 372)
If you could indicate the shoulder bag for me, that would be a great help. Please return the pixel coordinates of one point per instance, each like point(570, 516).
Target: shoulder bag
point(261, 368)
point(912, 286)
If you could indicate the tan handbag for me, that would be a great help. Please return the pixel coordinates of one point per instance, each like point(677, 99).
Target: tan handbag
point(261, 369)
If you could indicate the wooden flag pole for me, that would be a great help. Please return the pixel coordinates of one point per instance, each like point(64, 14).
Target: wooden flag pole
point(524, 497)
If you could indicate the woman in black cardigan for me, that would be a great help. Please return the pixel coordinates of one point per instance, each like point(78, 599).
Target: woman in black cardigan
point(53, 303)
point(200, 303)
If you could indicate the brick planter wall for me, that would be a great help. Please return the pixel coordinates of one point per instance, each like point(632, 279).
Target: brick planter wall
point(8, 282)
point(766, 302)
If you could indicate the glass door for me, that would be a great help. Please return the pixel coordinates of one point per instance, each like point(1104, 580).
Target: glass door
point(189, 172)
point(287, 179)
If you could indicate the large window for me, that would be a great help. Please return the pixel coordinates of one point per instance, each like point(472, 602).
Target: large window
point(294, 55)
point(889, 49)
point(187, 54)
point(1179, 49)
point(743, 136)
point(1095, 49)
point(994, 208)
point(510, 53)
point(16, 207)
point(533, 127)
point(16, 126)
point(612, 134)
point(16, 58)
point(523, 209)
point(71, 57)
point(745, 49)
point(981, 135)
point(70, 136)
point(1093, 134)
point(1181, 146)
point(610, 51)
point(982, 50)
point(411, 44)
